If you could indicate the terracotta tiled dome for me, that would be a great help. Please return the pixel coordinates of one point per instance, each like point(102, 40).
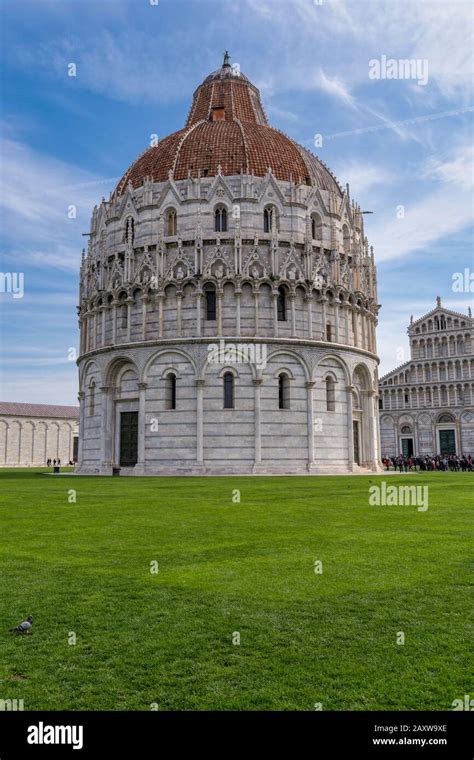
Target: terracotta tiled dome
point(227, 128)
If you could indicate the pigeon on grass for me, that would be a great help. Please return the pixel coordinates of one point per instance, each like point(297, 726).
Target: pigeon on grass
point(23, 627)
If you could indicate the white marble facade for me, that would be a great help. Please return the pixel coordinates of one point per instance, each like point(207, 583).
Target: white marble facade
point(289, 271)
point(427, 404)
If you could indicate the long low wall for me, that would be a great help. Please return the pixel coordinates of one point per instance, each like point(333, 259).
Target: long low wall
point(30, 442)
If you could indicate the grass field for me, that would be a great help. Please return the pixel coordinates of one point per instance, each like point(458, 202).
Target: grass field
point(226, 567)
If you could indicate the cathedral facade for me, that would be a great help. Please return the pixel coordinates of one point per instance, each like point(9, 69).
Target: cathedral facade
point(427, 404)
point(228, 306)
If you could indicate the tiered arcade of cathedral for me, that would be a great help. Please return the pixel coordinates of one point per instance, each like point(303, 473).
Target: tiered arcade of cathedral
point(427, 404)
point(228, 230)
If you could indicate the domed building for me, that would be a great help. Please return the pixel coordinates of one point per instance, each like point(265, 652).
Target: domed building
point(228, 306)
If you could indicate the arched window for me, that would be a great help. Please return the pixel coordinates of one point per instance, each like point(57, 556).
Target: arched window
point(281, 304)
point(283, 391)
point(316, 227)
point(269, 218)
point(228, 390)
point(170, 391)
point(330, 394)
point(211, 310)
point(172, 222)
point(346, 238)
point(220, 219)
point(328, 332)
point(129, 234)
point(123, 306)
point(92, 398)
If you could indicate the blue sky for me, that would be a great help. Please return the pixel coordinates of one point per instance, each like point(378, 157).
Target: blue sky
point(66, 140)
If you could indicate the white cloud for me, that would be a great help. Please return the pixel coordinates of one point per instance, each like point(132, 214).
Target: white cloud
point(362, 176)
point(441, 212)
point(334, 87)
point(36, 193)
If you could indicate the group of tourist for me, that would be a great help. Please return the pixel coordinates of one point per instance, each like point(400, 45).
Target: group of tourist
point(445, 463)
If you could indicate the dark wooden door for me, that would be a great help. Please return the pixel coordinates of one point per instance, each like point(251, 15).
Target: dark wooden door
point(447, 442)
point(128, 439)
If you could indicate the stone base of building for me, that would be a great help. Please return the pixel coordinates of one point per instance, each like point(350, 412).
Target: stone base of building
point(203, 470)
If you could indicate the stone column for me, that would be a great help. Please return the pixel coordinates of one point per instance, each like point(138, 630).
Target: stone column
point(362, 323)
point(129, 303)
point(219, 311)
point(81, 396)
point(257, 410)
point(145, 300)
point(416, 433)
point(275, 313)
point(93, 329)
point(179, 304)
point(355, 326)
point(370, 455)
point(293, 314)
point(140, 466)
point(323, 301)
point(199, 422)
point(309, 301)
point(255, 296)
point(336, 320)
point(310, 410)
point(198, 312)
point(86, 332)
point(104, 313)
point(346, 321)
point(238, 294)
point(159, 299)
point(106, 429)
point(114, 307)
point(350, 434)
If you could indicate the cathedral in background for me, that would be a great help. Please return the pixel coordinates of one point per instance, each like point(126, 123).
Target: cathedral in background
point(426, 404)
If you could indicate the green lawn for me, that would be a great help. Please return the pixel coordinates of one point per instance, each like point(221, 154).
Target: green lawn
point(226, 567)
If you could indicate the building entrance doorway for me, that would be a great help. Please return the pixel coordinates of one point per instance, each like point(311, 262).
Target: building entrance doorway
point(128, 439)
point(447, 442)
point(407, 447)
